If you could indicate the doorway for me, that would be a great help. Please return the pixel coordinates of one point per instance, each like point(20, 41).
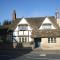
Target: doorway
point(37, 42)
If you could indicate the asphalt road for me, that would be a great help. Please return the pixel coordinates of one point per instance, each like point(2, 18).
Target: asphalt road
point(26, 54)
point(39, 57)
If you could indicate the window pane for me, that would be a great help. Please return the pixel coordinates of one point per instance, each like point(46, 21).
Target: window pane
point(48, 40)
point(23, 27)
point(46, 26)
point(20, 39)
point(52, 40)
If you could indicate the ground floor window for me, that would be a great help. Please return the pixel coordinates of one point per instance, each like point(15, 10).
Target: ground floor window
point(23, 39)
point(51, 40)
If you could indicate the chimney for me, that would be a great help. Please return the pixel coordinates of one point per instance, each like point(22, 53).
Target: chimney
point(14, 15)
point(57, 16)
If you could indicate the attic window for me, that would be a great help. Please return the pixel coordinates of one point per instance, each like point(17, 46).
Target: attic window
point(23, 27)
point(46, 26)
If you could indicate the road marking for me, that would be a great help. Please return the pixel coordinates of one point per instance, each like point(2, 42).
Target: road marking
point(30, 54)
point(35, 58)
point(54, 59)
point(42, 54)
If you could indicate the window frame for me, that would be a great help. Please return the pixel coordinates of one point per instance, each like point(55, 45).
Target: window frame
point(23, 39)
point(23, 27)
point(52, 40)
point(46, 26)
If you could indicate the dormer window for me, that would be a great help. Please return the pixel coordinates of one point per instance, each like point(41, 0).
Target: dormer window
point(23, 27)
point(46, 26)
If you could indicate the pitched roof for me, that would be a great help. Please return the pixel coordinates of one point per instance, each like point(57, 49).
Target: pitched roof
point(54, 21)
point(46, 33)
point(34, 22)
point(14, 24)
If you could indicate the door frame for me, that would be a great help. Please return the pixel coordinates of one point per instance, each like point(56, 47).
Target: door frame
point(37, 42)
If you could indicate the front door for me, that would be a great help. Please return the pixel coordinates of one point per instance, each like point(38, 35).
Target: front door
point(37, 42)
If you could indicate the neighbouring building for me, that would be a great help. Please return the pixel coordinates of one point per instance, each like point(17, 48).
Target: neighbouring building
point(36, 32)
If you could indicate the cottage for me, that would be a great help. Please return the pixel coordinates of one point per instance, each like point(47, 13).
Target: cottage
point(36, 32)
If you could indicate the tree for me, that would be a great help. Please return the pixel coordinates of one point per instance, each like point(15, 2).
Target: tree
point(6, 22)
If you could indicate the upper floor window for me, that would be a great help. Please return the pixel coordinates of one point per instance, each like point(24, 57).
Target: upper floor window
point(46, 26)
point(23, 27)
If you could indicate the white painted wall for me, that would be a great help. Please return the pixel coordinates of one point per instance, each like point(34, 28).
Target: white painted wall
point(15, 38)
point(20, 32)
point(23, 21)
point(16, 29)
point(15, 33)
point(29, 27)
point(30, 39)
point(47, 21)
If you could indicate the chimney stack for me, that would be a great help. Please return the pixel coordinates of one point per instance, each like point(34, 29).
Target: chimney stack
point(57, 16)
point(14, 15)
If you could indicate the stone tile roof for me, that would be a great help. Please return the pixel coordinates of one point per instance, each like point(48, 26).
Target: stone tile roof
point(14, 24)
point(34, 22)
point(46, 33)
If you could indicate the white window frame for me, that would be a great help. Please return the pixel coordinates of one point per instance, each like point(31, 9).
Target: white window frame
point(46, 26)
point(23, 27)
point(23, 39)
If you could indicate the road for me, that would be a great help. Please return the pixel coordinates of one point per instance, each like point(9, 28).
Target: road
point(31, 56)
point(26, 54)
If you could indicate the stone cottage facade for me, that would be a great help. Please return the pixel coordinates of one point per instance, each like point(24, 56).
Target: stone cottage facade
point(36, 32)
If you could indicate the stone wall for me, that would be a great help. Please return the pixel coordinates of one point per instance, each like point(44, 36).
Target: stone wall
point(50, 46)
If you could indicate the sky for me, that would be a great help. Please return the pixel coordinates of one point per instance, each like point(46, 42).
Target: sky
point(27, 8)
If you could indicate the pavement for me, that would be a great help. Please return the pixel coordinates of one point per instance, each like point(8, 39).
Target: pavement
point(47, 52)
point(28, 54)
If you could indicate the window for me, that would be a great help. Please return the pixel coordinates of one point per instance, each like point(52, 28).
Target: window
point(20, 40)
point(46, 26)
point(23, 27)
point(23, 39)
point(52, 40)
point(48, 40)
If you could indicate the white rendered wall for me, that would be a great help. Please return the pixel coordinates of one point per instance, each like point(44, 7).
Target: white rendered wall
point(20, 33)
point(47, 21)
